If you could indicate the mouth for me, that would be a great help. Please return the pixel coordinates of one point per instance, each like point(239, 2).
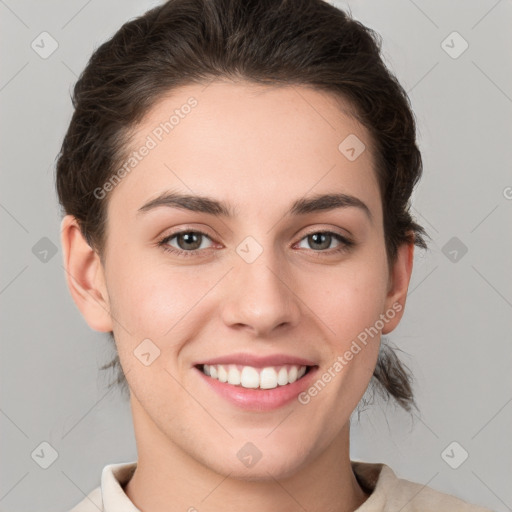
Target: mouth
point(256, 382)
point(251, 377)
point(262, 388)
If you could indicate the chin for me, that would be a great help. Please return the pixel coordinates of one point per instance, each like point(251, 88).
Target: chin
point(260, 461)
point(264, 470)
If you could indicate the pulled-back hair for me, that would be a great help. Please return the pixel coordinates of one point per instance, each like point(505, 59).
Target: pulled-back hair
point(266, 42)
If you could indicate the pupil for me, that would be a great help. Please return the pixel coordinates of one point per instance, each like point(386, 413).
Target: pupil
point(317, 239)
point(191, 238)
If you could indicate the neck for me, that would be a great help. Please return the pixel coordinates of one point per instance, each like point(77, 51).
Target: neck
point(169, 479)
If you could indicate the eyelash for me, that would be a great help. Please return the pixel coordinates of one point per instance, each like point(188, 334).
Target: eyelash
point(345, 243)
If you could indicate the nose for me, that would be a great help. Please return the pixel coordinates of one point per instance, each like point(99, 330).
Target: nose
point(260, 297)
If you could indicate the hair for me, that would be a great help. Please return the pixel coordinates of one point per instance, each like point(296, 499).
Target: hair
point(267, 42)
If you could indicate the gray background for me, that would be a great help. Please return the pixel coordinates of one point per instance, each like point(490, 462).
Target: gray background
point(456, 333)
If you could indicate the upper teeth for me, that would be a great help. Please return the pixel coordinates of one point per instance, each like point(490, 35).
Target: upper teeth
point(250, 377)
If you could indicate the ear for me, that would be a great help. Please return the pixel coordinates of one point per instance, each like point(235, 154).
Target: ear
point(398, 285)
point(85, 276)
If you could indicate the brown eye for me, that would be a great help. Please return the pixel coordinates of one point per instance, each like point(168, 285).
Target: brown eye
point(185, 242)
point(189, 240)
point(321, 241)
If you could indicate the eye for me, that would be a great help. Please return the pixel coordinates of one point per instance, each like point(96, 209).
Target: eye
point(188, 242)
point(321, 240)
point(192, 242)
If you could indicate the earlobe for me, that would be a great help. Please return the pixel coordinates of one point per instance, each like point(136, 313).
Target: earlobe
point(85, 276)
point(399, 279)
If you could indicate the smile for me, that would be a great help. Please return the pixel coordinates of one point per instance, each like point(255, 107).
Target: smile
point(256, 382)
point(249, 377)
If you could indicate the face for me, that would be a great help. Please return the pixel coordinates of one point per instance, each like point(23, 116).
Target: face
point(261, 285)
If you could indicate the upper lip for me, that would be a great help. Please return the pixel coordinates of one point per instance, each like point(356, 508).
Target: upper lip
point(258, 361)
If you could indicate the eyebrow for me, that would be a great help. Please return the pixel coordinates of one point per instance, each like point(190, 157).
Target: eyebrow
point(208, 205)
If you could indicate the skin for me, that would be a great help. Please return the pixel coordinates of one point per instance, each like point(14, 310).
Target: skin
point(259, 149)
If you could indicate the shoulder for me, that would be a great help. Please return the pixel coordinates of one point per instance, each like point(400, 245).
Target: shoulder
point(390, 493)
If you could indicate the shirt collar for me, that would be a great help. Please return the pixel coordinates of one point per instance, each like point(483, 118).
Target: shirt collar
point(113, 478)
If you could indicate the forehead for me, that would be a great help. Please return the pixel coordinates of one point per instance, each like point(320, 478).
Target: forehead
point(238, 141)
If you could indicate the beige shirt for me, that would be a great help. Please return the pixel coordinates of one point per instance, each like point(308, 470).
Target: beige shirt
point(388, 492)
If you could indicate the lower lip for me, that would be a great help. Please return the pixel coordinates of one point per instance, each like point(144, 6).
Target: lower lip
point(260, 399)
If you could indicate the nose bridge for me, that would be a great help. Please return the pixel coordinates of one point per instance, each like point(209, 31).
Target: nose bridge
point(260, 297)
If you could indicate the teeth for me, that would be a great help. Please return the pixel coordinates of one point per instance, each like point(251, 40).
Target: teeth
point(252, 378)
point(223, 374)
point(268, 378)
point(233, 375)
point(282, 377)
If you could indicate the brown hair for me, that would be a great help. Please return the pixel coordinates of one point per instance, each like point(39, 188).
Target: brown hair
point(272, 42)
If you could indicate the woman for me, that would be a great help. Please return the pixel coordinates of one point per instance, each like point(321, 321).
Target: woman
point(269, 136)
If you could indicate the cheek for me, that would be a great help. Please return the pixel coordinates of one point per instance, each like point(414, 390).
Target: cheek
point(154, 314)
point(352, 302)
point(151, 300)
point(350, 306)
